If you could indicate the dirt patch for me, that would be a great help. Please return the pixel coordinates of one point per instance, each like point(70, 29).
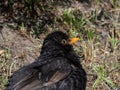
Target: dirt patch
point(22, 50)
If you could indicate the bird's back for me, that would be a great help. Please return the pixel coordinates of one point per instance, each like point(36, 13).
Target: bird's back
point(57, 75)
point(75, 81)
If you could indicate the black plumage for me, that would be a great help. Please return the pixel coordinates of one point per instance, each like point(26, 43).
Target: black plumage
point(57, 68)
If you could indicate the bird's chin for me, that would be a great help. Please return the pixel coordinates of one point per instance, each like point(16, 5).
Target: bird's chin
point(69, 48)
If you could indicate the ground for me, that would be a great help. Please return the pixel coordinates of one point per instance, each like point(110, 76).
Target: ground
point(24, 25)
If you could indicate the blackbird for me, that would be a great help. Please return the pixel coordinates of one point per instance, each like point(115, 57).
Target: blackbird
point(57, 68)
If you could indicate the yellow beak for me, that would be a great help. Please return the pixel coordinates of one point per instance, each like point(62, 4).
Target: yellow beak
point(73, 40)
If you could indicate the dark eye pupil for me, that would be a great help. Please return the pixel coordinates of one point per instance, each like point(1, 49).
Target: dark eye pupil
point(63, 41)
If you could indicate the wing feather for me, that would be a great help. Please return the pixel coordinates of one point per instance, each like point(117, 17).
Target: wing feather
point(29, 79)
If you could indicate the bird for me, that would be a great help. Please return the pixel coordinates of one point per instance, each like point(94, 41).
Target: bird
point(57, 68)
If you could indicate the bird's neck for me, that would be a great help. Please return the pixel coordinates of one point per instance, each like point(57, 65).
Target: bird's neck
point(56, 51)
point(52, 51)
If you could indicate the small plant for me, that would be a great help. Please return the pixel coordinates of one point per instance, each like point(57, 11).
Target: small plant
point(103, 77)
point(4, 68)
point(67, 16)
point(75, 21)
point(89, 46)
point(113, 40)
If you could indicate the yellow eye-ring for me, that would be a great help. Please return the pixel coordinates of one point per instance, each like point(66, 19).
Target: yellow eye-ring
point(64, 41)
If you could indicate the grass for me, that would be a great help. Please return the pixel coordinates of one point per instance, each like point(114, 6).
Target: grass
point(113, 40)
point(4, 67)
point(103, 77)
point(74, 21)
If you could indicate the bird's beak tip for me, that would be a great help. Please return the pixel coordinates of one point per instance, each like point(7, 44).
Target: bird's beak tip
point(73, 40)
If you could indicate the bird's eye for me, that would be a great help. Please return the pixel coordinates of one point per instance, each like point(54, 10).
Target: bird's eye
point(64, 41)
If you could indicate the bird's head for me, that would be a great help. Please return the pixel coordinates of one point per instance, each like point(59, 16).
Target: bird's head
point(59, 44)
point(60, 39)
